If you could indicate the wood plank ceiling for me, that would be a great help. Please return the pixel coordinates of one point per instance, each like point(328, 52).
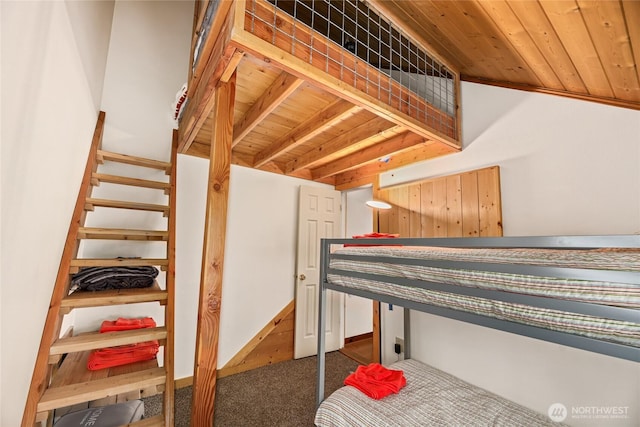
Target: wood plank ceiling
point(585, 49)
point(284, 123)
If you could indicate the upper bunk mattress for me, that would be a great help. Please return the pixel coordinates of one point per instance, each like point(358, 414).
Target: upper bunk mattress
point(601, 291)
point(431, 397)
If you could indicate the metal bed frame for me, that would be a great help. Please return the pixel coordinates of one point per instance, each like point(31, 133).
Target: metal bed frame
point(544, 242)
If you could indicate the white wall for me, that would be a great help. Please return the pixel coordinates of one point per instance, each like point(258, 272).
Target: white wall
point(567, 167)
point(51, 87)
point(358, 316)
point(259, 266)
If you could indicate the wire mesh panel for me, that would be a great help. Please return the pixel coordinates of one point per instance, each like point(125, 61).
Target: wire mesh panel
point(351, 42)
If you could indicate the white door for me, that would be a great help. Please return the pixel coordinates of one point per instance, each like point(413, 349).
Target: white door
point(319, 217)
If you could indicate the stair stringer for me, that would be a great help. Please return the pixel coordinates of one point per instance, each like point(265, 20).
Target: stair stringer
point(51, 330)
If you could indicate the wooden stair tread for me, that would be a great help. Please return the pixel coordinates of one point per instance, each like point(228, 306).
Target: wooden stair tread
point(83, 299)
point(74, 370)
point(97, 178)
point(96, 340)
point(121, 234)
point(91, 203)
point(103, 155)
point(111, 262)
point(70, 394)
point(156, 421)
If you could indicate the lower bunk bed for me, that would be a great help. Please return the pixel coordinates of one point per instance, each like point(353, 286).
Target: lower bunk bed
point(579, 291)
point(430, 398)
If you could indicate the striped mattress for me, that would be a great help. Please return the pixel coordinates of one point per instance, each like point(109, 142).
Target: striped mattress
point(609, 293)
point(431, 397)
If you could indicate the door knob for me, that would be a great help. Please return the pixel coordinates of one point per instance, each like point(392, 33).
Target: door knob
point(302, 277)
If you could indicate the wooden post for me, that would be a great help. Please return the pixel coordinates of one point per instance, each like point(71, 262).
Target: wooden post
point(206, 357)
point(169, 310)
point(375, 342)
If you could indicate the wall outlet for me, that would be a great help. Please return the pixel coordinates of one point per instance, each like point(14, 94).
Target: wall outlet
point(400, 342)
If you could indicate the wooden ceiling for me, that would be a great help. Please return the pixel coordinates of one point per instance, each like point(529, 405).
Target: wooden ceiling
point(286, 125)
point(579, 48)
point(289, 118)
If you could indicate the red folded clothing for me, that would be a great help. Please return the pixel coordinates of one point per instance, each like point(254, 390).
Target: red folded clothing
point(376, 381)
point(124, 324)
point(122, 355)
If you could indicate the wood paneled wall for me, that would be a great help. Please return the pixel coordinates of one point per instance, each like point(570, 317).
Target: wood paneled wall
point(462, 205)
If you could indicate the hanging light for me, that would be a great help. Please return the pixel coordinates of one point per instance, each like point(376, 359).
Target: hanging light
point(378, 204)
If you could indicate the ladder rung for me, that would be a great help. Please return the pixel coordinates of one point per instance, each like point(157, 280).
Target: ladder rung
point(133, 160)
point(90, 204)
point(97, 178)
point(83, 299)
point(67, 395)
point(121, 234)
point(156, 421)
point(96, 340)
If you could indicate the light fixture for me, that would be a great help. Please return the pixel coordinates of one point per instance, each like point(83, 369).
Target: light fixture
point(378, 204)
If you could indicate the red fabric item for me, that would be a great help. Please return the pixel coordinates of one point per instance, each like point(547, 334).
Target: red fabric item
point(122, 355)
point(373, 235)
point(376, 381)
point(124, 324)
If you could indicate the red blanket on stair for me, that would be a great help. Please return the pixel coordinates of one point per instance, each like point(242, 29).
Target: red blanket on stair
point(124, 354)
point(376, 381)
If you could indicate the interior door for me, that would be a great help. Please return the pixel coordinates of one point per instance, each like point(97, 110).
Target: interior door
point(319, 216)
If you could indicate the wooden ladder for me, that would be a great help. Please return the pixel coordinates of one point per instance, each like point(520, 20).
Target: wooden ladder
point(60, 377)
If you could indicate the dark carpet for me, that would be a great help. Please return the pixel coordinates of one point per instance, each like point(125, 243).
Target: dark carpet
point(281, 395)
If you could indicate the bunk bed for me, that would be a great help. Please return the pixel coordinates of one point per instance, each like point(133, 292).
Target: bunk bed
point(579, 291)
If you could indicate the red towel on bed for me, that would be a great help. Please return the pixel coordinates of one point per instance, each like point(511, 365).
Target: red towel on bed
point(124, 324)
point(376, 381)
point(124, 354)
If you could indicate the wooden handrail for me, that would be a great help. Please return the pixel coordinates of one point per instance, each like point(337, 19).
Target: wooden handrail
point(169, 313)
point(51, 330)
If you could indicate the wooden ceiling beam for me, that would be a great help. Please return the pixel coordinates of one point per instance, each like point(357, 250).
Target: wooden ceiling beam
point(283, 86)
point(385, 148)
point(332, 114)
point(232, 65)
point(348, 140)
point(219, 26)
point(425, 151)
point(203, 83)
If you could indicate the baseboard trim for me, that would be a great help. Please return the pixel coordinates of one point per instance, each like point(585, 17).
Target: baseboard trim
point(183, 382)
point(360, 337)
